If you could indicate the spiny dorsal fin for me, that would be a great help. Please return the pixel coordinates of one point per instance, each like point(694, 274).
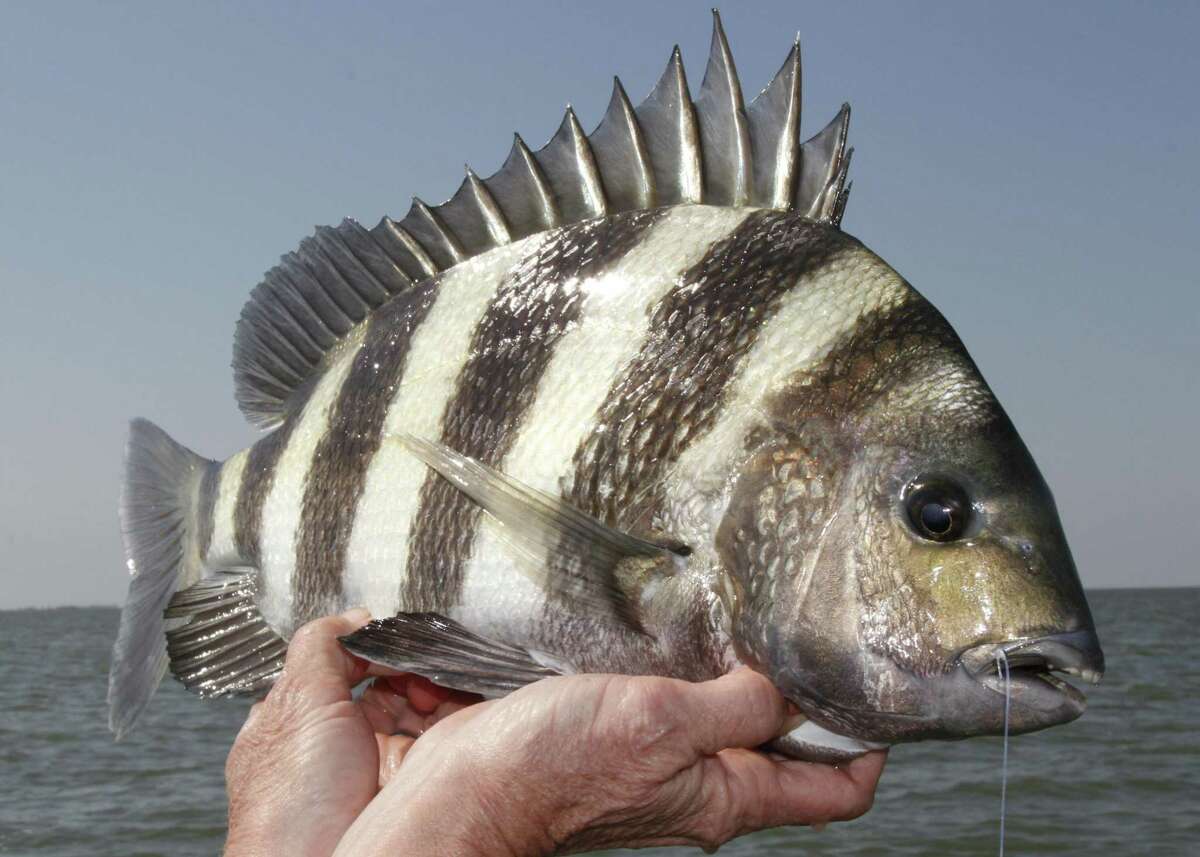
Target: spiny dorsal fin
point(666, 151)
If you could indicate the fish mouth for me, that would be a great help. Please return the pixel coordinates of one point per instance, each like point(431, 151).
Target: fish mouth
point(1032, 677)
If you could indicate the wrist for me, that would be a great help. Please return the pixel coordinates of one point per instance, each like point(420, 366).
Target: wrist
point(458, 812)
point(260, 833)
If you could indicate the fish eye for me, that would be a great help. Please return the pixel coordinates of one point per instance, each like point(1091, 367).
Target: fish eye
point(938, 509)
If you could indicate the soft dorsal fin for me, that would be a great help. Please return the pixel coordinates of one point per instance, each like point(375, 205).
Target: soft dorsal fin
point(668, 150)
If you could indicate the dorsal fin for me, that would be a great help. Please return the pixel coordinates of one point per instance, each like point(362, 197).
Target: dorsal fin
point(666, 151)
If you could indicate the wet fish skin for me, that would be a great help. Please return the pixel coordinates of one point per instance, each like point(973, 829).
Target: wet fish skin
point(582, 418)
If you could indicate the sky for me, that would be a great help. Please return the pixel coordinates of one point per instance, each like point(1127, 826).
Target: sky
point(1032, 168)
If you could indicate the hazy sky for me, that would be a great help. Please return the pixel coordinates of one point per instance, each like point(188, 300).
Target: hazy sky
point(1032, 168)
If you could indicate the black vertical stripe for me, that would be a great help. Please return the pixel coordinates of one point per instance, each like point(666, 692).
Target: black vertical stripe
point(508, 354)
point(206, 507)
point(257, 479)
point(338, 473)
point(672, 391)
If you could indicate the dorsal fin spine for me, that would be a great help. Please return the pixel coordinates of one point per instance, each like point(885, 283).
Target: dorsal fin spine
point(412, 245)
point(839, 208)
point(690, 157)
point(724, 131)
point(593, 187)
point(448, 239)
point(549, 205)
point(837, 192)
point(492, 215)
point(668, 123)
point(649, 191)
point(373, 257)
point(787, 154)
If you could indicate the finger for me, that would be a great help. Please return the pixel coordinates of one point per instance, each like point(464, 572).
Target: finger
point(393, 711)
point(739, 709)
point(760, 793)
point(828, 793)
point(424, 695)
point(428, 696)
point(392, 751)
point(381, 722)
point(317, 670)
point(867, 769)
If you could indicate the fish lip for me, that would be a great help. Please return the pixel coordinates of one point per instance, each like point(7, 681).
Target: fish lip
point(1075, 653)
point(1032, 662)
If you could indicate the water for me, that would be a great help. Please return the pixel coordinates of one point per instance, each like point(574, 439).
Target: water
point(1123, 780)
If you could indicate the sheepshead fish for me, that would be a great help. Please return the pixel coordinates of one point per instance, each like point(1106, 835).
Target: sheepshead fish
point(635, 404)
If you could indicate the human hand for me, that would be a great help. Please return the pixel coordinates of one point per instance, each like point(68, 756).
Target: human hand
point(309, 757)
point(585, 762)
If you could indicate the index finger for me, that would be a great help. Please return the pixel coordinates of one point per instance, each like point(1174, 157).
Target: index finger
point(806, 792)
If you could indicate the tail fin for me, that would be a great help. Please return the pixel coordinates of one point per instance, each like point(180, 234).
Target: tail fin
point(158, 522)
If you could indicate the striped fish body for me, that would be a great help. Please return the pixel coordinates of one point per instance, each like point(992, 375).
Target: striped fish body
point(618, 363)
point(634, 403)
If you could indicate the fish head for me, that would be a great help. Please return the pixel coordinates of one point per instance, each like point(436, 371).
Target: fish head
point(893, 542)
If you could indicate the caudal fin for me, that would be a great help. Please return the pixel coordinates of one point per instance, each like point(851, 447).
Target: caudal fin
point(158, 520)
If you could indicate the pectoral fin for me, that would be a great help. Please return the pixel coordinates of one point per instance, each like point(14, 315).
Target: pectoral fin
point(561, 548)
point(446, 653)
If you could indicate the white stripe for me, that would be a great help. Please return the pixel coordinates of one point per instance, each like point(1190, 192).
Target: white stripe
point(377, 558)
point(613, 327)
point(222, 550)
point(282, 507)
point(816, 314)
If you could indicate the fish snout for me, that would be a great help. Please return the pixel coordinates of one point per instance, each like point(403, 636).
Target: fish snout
point(1028, 671)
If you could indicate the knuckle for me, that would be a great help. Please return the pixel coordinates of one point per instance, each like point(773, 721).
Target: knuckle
point(650, 712)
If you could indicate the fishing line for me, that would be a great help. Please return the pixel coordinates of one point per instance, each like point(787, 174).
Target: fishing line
point(1005, 670)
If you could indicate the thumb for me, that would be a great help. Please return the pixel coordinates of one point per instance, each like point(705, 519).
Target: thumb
point(740, 709)
point(317, 670)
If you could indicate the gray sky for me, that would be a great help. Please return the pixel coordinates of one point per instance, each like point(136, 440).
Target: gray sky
point(1031, 167)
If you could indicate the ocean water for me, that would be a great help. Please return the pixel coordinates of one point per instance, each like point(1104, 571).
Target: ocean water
point(1123, 780)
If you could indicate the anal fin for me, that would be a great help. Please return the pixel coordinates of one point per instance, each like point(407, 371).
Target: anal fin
point(446, 653)
point(224, 647)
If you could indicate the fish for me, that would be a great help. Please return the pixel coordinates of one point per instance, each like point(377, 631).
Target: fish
point(636, 404)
